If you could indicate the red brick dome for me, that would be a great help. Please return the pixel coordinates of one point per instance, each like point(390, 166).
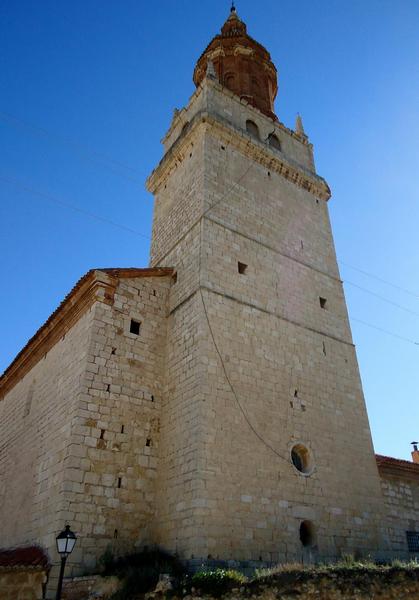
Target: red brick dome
point(241, 64)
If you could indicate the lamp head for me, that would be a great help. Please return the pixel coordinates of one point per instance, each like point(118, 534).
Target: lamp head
point(66, 541)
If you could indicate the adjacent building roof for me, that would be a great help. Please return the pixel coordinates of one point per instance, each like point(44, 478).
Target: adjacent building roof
point(95, 285)
point(387, 465)
point(30, 557)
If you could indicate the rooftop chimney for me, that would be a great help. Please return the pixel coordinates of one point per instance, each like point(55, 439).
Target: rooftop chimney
point(415, 453)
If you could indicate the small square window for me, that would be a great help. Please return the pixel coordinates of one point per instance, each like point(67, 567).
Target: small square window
point(135, 327)
point(322, 302)
point(241, 268)
point(412, 541)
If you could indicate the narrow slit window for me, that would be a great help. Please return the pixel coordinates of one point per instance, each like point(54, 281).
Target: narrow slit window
point(241, 267)
point(119, 481)
point(323, 302)
point(148, 442)
point(135, 327)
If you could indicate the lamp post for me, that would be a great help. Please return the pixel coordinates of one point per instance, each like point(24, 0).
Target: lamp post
point(65, 544)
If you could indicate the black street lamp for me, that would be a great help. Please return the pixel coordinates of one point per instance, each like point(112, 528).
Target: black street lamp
point(65, 544)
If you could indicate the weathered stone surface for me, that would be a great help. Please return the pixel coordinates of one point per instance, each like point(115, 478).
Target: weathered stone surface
point(27, 584)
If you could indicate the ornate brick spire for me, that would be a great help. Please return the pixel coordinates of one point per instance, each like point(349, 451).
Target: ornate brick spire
point(241, 64)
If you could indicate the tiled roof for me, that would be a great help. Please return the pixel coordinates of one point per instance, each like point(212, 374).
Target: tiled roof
point(31, 556)
point(397, 466)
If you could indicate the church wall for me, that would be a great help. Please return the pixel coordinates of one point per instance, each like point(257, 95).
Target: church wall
point(213, 98)
point(401, 497)
point(178, 200)
point(36, 432)
point(293, 380)
point(225, 493)
point(236, 112)
point(262, 205)
point(118, 421)
point(181, 502)
point(257, 498)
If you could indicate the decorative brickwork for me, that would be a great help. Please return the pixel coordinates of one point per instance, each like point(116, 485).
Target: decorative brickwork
point(241, 64)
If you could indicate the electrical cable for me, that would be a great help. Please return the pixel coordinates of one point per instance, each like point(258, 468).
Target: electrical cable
point(394, 285)
point(76, 147)
point(395, 335)
point(359, 287)
point(73, 207)
point(233, 391)
point(98, 157)
point(98, 217)
point(249, 423)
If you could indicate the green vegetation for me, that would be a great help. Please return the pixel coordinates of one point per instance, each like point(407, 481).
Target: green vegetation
point(140, 572)
point(217, 582)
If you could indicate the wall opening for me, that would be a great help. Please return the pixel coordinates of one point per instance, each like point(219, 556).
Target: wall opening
point(307, 533)
point(102, 433)
point(412, 541)
point(274, 142)
point(241, 267)
point(122, 429)
point(135, 327)
point(119, 481)
point(301, 459)
point(323, 302)
point(148, 442)
point(252, 128)
point(174, 277)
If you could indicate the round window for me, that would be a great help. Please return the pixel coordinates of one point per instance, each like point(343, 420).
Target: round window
point(302, 459)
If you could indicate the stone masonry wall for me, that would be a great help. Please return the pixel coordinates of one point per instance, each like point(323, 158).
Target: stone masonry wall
point(35, 432)
point(401, 496)
point(112, 501)
point(229, 486)
point(22, 584)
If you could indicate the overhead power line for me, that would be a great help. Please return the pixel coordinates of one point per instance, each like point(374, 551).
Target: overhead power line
point(70, 206)
point(359, 287)
point(103, 158)
point(82, 151)
point(393, 285)
point(49, 197)
point(386, 331)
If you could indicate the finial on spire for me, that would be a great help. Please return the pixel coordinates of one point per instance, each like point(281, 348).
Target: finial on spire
point(233, 7)
point(299, 129)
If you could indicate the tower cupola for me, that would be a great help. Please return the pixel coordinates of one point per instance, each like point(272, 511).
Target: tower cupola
point(241, 64)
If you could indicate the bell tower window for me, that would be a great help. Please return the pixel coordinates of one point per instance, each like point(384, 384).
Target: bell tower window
point(252, 128)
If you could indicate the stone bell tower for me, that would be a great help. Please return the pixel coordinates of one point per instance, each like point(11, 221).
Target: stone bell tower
point(265, 451)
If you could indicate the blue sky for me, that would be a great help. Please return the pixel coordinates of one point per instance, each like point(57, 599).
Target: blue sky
point(87, 91)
